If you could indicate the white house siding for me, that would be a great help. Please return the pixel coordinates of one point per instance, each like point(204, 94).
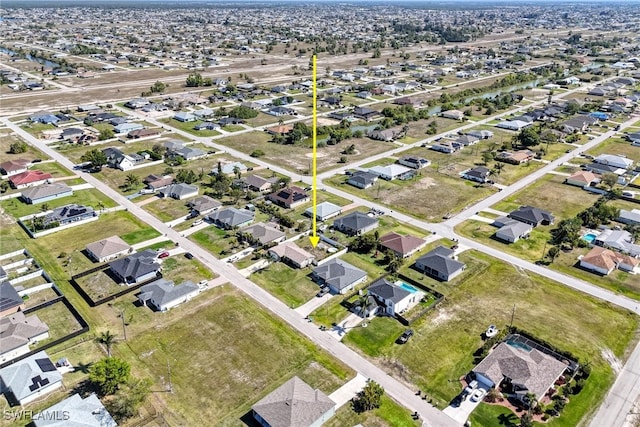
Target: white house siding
point(41, 392)
point(10, 355)
point(51, 197)
point(592, 267)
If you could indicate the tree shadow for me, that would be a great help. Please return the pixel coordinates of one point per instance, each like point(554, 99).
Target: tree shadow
point(509, 420)
point(83, 367)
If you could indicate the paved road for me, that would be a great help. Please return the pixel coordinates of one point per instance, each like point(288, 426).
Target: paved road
point(393, 387)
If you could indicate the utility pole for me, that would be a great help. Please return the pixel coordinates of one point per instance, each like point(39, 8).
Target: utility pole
point(169, 376)
point(124, 328)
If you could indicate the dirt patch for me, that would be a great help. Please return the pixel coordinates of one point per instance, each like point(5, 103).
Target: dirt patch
point(6, 219)
point(443, 316)
point(310, 155)
point(615, 363)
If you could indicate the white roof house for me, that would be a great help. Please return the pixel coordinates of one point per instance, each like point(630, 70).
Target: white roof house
point(393, 171)
point(30, 378)
point(613, 160)
point(324, 211)
point(75, 411)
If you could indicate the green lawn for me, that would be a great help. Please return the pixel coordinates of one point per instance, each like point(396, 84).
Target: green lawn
point(618, 146)
point(445, 339)
point(188, 127)
point(167, 208)
point(54, 168)
point(216, 240)
point(492, 415)
point(389, 414)
point(291, 285)
point(59, 320)
point(231, 343)
point(91, 197)
point(9, 138)
point(179, 269)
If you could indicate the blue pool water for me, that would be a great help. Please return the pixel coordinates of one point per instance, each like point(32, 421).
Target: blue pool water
point(520, 345)
point(407, 287)
point(589, 237)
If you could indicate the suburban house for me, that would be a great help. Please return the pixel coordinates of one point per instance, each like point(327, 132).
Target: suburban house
point(582, 179)
point(163, 295)
point(14, 167)
point(180, 191)
point(292, 254)
point(117, 159)
point(393, 171)
point(294, 404)
point(11, 301)
point(477, 174)
point(279, 130)
point(515, 157)
point(392, 299)
point(362, 179)
point(30, 378)
point(604, 261)
point(18, 332)
point(511, 230)
point(629, 217)
point(157, 182)
point(144, 133)
point(324, 211)
point(107, 249)
point(339, 276)
point(184, 116)
point(189, 153)
point(68, 214)
point(264, 234)
point(74, 411)
point(453, 114)
point(440, 263)
point(619, 240)
point(526, 369)
point(258, 183)
point(481, 134)
point(229, 168)
point(513, 124)
point(127, 127)
point(634, 138)
point(203, 205)
point(414, 162)
point(613, 160)
point(447, 146)
point(402, 246)
point(206, 126)
point(532, 215)
point(365, 113)
point(289, 197)
point(46, 192)
point(383, 134)
point(355, 223)
point(466, 140)
point(601, 168)
point(578, 123)
point(136, 103)
point(231, 217)
point(136, 268)
point(29, 179)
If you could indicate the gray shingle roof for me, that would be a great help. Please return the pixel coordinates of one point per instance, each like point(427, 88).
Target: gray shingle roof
point(45, 190)
point(231, 217)
point(163, 292)
point(135, 265)
point(9, 297)
point(354, 221)
point(388, 291)
point(339, 274)
point(439, 260)
point(75, 411)
point(293, 404)
point(17, 330)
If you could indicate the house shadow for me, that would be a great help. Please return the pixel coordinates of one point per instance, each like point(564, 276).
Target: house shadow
point(248, 420)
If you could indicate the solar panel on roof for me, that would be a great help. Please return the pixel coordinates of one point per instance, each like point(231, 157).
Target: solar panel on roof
point(45, 365)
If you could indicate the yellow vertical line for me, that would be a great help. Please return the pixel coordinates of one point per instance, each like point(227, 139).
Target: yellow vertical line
point(315, 131)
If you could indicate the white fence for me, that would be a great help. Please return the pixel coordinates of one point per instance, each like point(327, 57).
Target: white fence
point(33, 275)
point(12, 254)
point(35, 289)
point(17, 264)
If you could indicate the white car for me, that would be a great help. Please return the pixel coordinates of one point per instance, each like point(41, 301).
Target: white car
point(478, 395)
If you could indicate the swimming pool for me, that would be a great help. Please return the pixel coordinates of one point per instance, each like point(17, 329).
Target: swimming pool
point(519, 345)
point(406, 287)
point(589, 237)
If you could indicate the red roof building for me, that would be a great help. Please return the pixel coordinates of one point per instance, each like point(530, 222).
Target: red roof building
point(29, 178)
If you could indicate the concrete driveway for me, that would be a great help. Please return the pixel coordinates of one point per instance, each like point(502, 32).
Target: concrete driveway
point(461, 413)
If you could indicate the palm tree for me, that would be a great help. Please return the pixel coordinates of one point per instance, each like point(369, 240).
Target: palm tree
point(132, 180)
point(237, 172)
point(107, 339)
point(405, 129)
point(362, 302)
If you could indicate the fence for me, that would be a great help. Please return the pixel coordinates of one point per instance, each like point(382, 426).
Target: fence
point(35, 289)
point(12, 254)
point(33, 275)
point(415, 316)
point(60, 299)
point(53, 230)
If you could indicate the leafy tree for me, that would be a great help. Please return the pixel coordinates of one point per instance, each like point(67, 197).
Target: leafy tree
point(610, 180)
point(4, 186)
point(128, 398)
point(257, 153)
point(242, 112)
point(109, 373)
point(528, 137)
point(158, 151)
point(526, 420)
point(194, 80)
point(553, 253)
point(364, 243)
point(132, 181)
point(187, 176)
point(487, 156)
point(18, 147)
point(107, 339)
point(343, 159)
point(567, 232)
point(237, 172)
point(105, 134)
point(351, 149)
point(96, 157)
point(158, 87)
point(370, 397)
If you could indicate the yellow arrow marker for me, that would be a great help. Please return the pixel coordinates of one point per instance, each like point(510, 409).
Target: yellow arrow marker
point(314, 186)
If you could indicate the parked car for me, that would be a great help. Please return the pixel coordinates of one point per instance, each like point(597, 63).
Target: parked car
point(470, 387)
point(188, 255)
point(405, 336)
point(323, 291)
point(163, 255)
point(491, 331)
point(478, 395)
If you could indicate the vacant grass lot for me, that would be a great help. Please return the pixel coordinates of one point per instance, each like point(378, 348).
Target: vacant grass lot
point(91, 197)
point(189, 127)
point(231, 345)
point(389, 414)
point(618, 146)
point(297, 158)
point(55, 169)
point(59, 320)
point(291, 285)
point(167, 208)
point(442, 349)
point(7, 138)
point(429, 196)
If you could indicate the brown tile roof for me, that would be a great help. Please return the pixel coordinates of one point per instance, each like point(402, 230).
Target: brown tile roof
point(608, 259)
point(401, 244)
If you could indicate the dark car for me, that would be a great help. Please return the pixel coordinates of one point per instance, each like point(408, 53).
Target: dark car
point(188, 255)
point(323, 291)
point(405, 336)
